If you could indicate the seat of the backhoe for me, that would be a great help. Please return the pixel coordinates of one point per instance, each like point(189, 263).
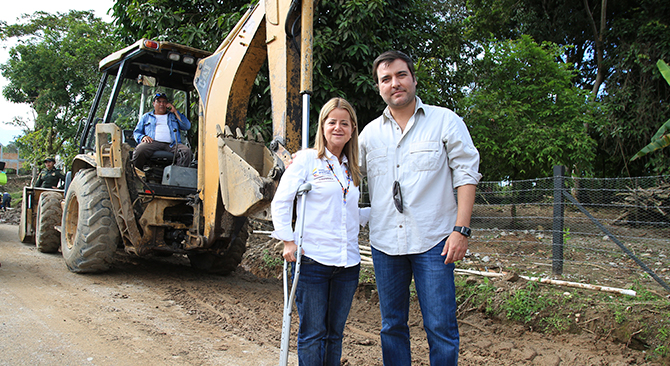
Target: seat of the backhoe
point(161, 157)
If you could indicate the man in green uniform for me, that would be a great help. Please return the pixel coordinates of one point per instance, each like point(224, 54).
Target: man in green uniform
point(50, 176)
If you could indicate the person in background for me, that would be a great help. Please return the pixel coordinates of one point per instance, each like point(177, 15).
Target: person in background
point(50, 176)
point(414, 155)
point(159, 130)
point(331, 261)
point(6, 201)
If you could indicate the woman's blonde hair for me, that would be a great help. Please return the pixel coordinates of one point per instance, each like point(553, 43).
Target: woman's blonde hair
point(350, 149)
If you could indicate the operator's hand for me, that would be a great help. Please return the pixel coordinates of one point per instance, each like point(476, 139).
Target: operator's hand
point(171, 108)
point(290, 248)
point(147, 139)
point(455, 247)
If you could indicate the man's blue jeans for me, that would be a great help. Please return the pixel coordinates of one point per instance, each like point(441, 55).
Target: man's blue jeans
point(323, 298)
point(435, 289)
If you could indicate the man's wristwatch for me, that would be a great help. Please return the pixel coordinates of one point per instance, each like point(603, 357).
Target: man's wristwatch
point(463, 230)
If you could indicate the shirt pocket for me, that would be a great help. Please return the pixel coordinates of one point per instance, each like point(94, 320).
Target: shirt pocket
point(377, 162)
point(425, 155)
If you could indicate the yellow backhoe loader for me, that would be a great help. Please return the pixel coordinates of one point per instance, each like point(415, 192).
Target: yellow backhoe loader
point(200, 210)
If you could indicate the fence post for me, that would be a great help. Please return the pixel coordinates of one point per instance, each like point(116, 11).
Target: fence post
point(557, 229)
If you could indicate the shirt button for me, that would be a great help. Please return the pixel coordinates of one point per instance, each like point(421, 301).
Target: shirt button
point(400, 226)
point(397, 166)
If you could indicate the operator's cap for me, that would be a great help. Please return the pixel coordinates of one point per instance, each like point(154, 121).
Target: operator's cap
point(160, 95)
point(50, 159)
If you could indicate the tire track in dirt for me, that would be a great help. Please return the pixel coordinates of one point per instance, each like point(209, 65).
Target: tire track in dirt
point(160, 311)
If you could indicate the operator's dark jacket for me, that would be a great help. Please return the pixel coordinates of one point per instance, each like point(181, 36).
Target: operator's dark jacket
point(49, 178)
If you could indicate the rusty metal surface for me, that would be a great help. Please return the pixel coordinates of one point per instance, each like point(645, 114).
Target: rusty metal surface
point(153, 224)
point(248, 172)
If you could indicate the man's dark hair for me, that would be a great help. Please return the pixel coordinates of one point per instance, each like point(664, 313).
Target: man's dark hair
point(387, 58)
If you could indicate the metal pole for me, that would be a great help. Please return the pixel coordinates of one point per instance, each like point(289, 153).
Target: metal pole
point(559, 218)
point(306, 65)
point(306, 72)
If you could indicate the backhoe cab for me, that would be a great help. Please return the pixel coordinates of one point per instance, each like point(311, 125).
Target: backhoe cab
point(200, 210)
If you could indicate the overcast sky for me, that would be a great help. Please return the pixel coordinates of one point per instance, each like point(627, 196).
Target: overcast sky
point(11, 11)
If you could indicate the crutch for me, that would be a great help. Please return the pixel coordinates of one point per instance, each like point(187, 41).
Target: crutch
point(289, 299)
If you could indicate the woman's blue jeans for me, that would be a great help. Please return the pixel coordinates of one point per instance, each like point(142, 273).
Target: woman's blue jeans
point(435, 289)
point(323, 298)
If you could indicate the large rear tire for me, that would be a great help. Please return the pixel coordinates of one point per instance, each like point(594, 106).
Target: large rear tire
point(227, 262)
point(49, 215)
point(89, 233)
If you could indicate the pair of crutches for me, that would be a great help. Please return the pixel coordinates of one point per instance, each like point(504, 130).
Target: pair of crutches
point(290, 298)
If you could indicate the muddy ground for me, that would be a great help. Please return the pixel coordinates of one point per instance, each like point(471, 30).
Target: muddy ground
point(160, 311)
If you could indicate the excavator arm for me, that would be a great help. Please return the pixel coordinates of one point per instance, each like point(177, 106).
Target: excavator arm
point(237, 173)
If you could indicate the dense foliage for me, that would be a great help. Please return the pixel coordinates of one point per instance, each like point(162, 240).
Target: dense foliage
point(53, 68)
point(568, 82)
point(525, 114)
point(348, 35)
point(614, 46)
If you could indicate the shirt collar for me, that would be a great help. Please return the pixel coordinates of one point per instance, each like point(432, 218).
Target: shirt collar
point(387, 112)
point(330, 156)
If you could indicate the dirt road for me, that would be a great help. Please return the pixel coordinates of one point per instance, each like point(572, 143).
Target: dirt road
point(141, 313)
point(157, 311)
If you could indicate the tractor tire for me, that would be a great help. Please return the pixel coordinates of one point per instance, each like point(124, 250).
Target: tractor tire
point(226, 263)
point(89, 233)
point(49, 215)
point(24, 236)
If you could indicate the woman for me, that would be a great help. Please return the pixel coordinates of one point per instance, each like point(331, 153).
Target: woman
point(331, 261)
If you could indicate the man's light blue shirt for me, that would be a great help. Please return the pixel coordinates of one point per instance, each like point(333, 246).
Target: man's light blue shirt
point(147, 126)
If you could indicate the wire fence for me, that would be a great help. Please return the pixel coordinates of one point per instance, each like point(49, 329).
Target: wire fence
point(619, 237)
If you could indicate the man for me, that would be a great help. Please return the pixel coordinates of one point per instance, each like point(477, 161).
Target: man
point(6, 201)
point(50, 176)
point(414, 155)
point(159, 130)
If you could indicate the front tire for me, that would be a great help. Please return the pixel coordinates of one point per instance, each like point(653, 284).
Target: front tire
point(49, 215)
point(89, 234)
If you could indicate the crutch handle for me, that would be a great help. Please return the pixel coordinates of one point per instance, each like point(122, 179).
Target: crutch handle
point(304, 188)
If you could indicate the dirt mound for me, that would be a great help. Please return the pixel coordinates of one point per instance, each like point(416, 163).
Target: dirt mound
point(583, 327)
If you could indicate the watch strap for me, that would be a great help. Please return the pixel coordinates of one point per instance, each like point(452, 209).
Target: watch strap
point(466, 231)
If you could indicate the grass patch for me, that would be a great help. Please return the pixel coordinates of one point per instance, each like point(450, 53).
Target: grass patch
point(641, 322)
point(271, 261)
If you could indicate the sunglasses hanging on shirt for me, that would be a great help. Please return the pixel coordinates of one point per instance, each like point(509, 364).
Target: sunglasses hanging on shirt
point(397, 196)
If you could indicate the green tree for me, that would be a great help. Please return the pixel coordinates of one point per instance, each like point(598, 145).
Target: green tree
point(635, 96)
point(199, 23)
point(661, 138)
point(524, 113)
point(53, 68)
point(614, 47)
point(348, 36)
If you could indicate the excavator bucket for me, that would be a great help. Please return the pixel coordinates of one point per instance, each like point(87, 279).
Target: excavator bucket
point(249, 173)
